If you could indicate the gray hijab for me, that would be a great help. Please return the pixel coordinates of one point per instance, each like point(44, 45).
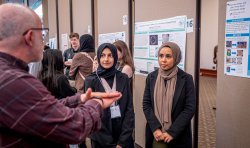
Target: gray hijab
point(164, 92)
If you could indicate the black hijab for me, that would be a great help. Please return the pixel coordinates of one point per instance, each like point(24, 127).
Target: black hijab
point(101, 71)
point(87, 43)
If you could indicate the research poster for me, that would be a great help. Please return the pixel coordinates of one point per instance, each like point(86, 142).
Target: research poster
point(237, 30)
point(65, 42)
point(111, 37)
point(150, 35)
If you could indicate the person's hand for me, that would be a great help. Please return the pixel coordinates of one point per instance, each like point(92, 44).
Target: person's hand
point(118, 146)
point(67, 63)
point(105, 95)
point(85, 97)
point(158, 135)
point(167, 137)
point(106, 99)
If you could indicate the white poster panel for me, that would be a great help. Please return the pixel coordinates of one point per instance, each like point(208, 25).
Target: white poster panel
point(65, 42)
point(237, 51)
point(53, 43)
point(150, 35)
point(111, 37)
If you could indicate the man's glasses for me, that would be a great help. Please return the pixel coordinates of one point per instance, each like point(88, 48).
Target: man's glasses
point(44, 31)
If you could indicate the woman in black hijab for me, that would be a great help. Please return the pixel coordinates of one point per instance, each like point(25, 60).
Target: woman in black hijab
point(118, 120)
point(82, 63)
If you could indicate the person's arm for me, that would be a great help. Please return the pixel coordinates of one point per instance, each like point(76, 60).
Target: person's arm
point(36, 112)
point(152, 120)
point(127, 70)
point(184, 118)
point(129, 118)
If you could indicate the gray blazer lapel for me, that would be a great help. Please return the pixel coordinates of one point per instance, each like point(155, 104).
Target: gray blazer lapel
point(178, 88)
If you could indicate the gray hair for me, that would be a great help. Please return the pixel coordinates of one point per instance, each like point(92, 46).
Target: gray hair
point(15, 19)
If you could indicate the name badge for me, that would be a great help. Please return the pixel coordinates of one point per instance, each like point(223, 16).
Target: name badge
point(115, 111)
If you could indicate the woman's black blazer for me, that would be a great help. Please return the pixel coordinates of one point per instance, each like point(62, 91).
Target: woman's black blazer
point(119, 130)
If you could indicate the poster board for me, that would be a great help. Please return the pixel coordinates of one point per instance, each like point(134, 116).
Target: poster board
point(237, 30)
point(111, 37)
point(150, 35)
point(65, 42)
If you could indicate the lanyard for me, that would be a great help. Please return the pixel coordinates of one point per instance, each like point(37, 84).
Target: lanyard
point(107, 87)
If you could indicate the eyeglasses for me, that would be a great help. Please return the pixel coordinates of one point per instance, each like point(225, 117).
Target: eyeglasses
point(44, 31)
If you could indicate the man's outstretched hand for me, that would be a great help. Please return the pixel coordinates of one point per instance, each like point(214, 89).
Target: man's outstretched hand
point(104, 99)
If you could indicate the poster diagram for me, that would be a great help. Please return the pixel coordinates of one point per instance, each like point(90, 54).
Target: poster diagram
point(237, 51)
point(149, 36)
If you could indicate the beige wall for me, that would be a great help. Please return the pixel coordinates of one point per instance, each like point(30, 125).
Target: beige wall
point(109, 16)
point(64, 20)
point(233, 99)
point(166, 9)
point(209, 32)
point(81, 16)
point(52, 18)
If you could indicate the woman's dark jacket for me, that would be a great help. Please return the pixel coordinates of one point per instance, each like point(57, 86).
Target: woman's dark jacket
point(183, 109)
point(118, 130)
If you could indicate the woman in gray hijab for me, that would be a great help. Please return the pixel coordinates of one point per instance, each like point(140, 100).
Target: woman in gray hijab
point(169, 102)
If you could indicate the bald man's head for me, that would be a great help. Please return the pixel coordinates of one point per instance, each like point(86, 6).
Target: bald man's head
point(15, 19)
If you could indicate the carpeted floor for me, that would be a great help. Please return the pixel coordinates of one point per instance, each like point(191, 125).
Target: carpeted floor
point(207, 133)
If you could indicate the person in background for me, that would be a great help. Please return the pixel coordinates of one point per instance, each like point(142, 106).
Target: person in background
point(35, 67)
point(125, 62)
point(95, 64)
point(118, 120)
point(70, 53)
point(169, 102)
point(30, 115)
point(82, 63)
point(215, 55)
point(51, 74)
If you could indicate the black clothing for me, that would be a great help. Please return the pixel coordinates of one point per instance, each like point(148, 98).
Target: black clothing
point(62, 89)
point(183, 109)
point(116, 131)
point(69, 54)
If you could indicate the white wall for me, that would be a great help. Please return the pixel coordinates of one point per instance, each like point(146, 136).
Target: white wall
point(209, 32)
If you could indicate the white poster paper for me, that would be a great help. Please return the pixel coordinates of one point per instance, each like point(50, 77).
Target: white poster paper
point(237, 51)
point(53, 43)
point(149, 36)
point(111, 37)
point(65, 42)
point(190, 25)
